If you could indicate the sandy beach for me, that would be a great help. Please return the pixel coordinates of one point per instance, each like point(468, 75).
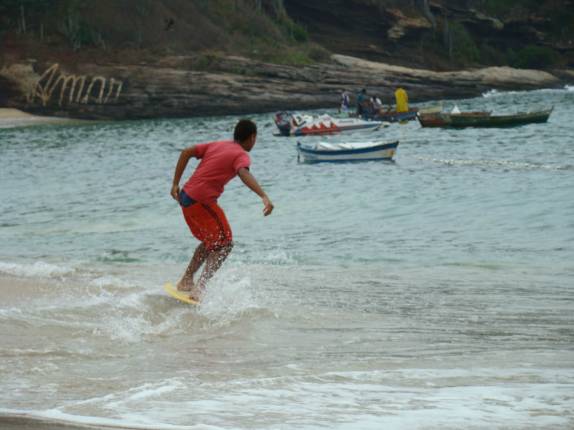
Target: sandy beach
point(11, 118)
point(25, 422)
point(16, 290)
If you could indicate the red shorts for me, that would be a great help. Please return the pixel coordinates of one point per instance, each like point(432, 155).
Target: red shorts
point(208, 224)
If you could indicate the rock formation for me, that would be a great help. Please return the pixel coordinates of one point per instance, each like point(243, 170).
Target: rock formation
point(234, 85)
point(180, 58)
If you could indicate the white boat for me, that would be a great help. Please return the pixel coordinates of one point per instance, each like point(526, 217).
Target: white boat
point(303, 125)
point(338, 152)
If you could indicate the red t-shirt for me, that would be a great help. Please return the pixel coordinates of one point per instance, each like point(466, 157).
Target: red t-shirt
point(220, 162)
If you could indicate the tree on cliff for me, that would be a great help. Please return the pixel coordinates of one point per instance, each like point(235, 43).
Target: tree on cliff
point(23, 14)
point(424, 5)
point(422, 33)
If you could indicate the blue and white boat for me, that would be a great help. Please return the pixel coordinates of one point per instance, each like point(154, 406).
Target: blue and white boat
point(338, 152)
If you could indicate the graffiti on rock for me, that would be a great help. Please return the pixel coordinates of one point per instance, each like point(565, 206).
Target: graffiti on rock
point(74, 89)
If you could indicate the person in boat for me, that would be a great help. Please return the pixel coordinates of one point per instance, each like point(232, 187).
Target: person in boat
point(345, 102)
point(376, 103)
point(402, 100)
point(220, 162)
point(362, 103)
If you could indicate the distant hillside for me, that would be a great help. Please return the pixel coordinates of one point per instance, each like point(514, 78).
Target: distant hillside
point(130, 59)
point(152, 28)
point(439, 34)
point(443, 33)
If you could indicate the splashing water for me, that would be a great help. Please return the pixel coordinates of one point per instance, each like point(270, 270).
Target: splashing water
point(432, 292)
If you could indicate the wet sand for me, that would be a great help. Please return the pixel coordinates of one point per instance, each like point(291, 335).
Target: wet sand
point(10, 118)
point(25, 422)
point(15, 291)
point(369, 301)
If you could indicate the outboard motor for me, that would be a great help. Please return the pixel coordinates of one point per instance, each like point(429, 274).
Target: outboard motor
point(283, 123)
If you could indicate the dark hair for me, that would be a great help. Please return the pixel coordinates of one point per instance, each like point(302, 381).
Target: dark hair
point(244, 129)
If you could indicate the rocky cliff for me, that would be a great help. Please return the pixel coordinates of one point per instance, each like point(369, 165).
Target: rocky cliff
point(443, 33)
point(234, 85)
point(176, 58)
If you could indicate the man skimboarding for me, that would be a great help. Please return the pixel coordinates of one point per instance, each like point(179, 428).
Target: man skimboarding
point(220, 162)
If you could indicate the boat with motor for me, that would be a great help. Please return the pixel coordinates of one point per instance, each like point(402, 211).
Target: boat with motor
point(394, 116)
point(290, 124)
point(390, 115)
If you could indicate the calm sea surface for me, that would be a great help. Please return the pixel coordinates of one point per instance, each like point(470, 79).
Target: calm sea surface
point(434, 292)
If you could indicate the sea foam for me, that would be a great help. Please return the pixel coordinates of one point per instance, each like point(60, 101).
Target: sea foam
point(39, 269)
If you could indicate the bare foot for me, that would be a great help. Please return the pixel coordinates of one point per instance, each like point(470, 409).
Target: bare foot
point(185, 285)
point(196, 293)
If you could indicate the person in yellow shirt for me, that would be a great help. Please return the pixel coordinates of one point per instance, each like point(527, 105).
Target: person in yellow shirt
point(402, 100)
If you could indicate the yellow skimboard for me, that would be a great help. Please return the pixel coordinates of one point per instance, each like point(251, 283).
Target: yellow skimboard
point(182, 296)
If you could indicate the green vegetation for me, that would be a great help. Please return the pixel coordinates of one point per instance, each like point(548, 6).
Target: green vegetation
point(505, 7)
point(260, 29)
point(264, 31)
point(205, 60)
point(297, 56)
point(491, 55)
point(37, 18)
point(535, 57)
point(295, 31)
point(74, 27)
point(23, 15)
point(464, 48)
point(562, 23)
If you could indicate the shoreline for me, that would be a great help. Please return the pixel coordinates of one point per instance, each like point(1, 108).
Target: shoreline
point(27, 421)
point(174, 87)
point(14, 118)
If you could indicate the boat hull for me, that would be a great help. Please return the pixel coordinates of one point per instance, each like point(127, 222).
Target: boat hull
point(385, 151)
point(482, 119)
point(334, 128)
point(290, 125)
point(396, 116)
point(444, 119)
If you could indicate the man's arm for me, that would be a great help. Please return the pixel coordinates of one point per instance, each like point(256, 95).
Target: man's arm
point(184, 157)
point(249, 180)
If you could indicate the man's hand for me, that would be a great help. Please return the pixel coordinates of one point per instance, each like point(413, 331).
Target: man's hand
point(175, 192)
point(252, 184)
point(268, 206)
point(184, 157)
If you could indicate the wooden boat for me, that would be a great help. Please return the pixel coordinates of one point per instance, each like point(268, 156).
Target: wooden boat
point(303, 125)
point(394, 116)
point(444, 119)
point(431, 109)
point(483, 119)
point(345, 152)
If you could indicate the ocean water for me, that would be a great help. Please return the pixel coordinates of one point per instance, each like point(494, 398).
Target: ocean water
point(432, 292)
